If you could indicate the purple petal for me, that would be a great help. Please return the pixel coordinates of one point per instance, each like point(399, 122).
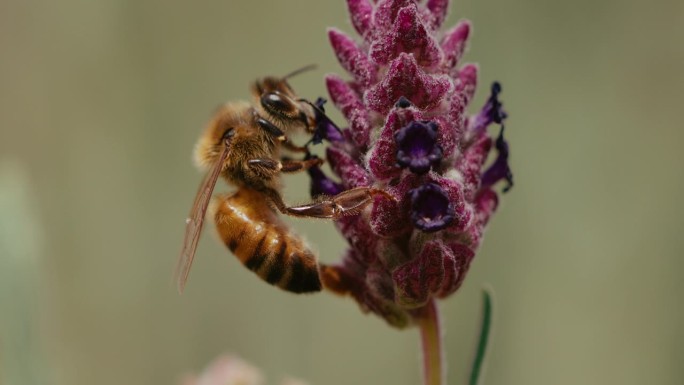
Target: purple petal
point(325, 128)
point(499, 169)
point(492, 112)
point(321, 184)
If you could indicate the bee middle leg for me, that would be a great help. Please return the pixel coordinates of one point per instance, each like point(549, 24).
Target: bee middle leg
point(295, 148)
point(286, 165)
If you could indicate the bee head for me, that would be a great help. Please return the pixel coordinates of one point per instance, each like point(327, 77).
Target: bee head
point(277, 99)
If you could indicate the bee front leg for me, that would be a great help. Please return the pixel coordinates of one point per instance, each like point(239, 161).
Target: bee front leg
point(279, 135)
point(295, 148)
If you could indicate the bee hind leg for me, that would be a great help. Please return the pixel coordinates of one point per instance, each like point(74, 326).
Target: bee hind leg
point(349, 202)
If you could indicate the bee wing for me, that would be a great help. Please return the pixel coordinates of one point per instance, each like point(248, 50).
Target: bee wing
point(195, 221)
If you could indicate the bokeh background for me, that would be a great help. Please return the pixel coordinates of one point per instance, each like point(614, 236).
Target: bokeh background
point(101, 103)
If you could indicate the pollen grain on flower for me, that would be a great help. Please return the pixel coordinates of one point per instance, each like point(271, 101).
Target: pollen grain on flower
point(408, 134)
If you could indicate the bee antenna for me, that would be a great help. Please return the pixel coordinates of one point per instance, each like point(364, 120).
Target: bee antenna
point(300, 70)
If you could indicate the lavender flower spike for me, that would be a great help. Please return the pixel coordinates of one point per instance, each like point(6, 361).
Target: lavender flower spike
point(409, 135)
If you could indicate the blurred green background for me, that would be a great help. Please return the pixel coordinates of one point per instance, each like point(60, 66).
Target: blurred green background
point(101, 103)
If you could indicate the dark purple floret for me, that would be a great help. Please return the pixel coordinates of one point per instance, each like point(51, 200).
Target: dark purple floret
point(499, 169)
point(494, 106)
point(492, 112)
point(431, 209)
point(417, 146)
point(403, 102)
point(325, 128)
point(321, 184)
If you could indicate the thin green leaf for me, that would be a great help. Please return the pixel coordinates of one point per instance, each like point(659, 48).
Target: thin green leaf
point(485, 329)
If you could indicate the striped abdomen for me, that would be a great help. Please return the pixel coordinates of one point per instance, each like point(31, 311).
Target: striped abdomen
point(254, 233)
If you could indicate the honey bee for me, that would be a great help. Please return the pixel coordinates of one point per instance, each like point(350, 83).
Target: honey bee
point(242, 144)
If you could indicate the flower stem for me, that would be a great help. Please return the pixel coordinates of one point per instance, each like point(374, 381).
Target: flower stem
point(431, 337)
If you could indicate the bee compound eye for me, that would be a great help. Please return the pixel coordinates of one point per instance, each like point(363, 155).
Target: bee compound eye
point(275, 102)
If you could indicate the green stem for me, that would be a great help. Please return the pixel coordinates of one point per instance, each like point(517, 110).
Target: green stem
point(431, 337)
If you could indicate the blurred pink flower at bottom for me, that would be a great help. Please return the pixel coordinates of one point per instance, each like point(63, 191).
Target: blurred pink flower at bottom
point(231, 370)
